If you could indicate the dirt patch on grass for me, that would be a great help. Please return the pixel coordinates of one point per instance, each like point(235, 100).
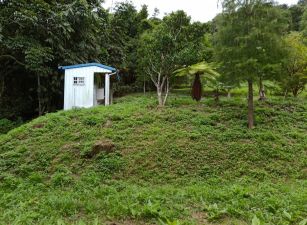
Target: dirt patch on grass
point(201, 218)
point(129, 222)
point(106, 146)
point(38, 126)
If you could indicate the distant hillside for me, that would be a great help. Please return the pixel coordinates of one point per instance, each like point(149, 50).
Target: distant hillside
point(133, 163)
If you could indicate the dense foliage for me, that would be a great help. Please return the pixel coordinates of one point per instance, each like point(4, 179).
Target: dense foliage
point(295, 64)
point(37, 36)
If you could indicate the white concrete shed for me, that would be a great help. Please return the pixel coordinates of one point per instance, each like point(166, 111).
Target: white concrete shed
point(87, 85)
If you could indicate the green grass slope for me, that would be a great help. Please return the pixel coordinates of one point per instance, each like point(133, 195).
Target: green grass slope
point(188, 163)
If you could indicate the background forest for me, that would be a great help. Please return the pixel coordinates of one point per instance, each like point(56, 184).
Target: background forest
point(39, 35)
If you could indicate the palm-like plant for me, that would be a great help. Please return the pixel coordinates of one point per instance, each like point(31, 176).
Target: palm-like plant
point(204, 69)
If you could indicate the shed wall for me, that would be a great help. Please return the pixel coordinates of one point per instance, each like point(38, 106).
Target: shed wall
point(80, 96)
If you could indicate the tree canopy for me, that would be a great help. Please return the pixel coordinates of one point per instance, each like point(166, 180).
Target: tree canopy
point(248, 41)
point(168, 46)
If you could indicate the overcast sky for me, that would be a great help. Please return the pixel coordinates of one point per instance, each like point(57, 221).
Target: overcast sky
point(199, 10)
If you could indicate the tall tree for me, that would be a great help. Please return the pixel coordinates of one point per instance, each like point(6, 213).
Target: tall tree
point(296, 12)
point(126, 24)
point(295, 64)
point(166, 47)
point(248, 42)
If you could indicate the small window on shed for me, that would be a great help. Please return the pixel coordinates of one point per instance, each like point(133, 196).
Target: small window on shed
point(79, 81)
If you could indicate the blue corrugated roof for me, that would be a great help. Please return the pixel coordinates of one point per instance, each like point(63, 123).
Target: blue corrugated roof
point(87, 65)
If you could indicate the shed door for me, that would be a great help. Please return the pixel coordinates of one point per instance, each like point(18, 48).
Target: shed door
point(79, 92)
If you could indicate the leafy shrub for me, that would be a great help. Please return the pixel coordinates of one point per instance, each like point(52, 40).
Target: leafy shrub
point(62, 178)
point(6, 125)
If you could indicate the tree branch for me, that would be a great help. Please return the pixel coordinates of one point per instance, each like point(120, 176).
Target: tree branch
point(163, 81)
point(13, 58)
point(153, 67)
point(151, 77)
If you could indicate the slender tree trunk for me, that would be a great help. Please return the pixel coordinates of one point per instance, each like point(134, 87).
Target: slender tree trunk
point(144, 85)
point(286, 94)
point(160, 98)
point(261, 90)
point(39, 90)
point(295, 92)
point(166, 91)
point(250, 105)
point(161, 82)
point(217, 95)
point(228, 94)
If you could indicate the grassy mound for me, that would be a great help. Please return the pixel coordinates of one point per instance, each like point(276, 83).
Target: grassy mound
point(188, 163)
